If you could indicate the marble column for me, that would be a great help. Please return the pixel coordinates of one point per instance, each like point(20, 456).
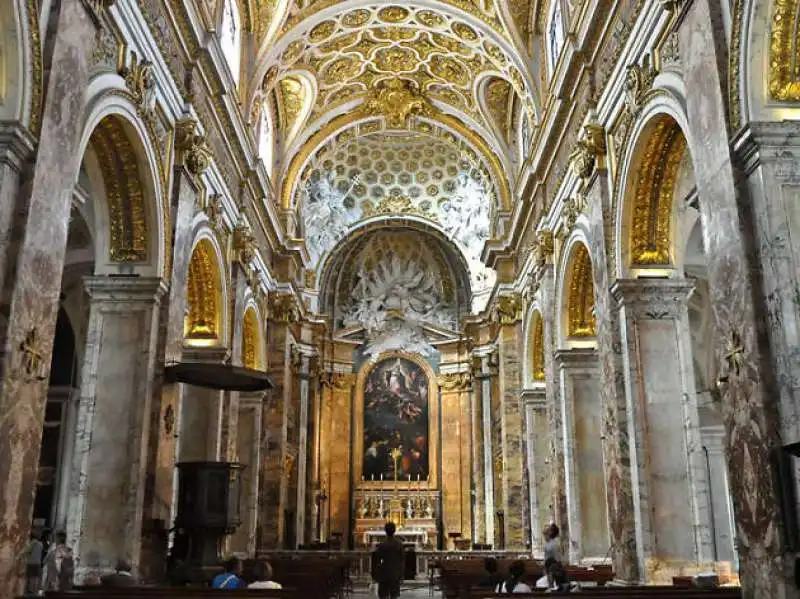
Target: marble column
point(667, 463)
point(616, 444)
point(336, 477)
point(455, 476)
point(33, 239)
point(477, 494)
point(583, 453)
point(487, 374)
point(302, 443)
point(166, 409)
point(199, 430)
point(248, 449)
point(719, 497)
point(110, 455)
point(511, 432)
point(751, 410)
point(538, 461)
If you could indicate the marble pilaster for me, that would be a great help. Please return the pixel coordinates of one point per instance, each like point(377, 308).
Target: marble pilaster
point(583, 453)
point(302, 446)
point(616, 444)
point(109, 470)
point(486, 377)
point(511, 433)
point(477, 494)
point(538, 462)
point(751, 411)
point(455, 474)
point(248, 449)
point(667, 462)
point(719, 498)
point(32, 248)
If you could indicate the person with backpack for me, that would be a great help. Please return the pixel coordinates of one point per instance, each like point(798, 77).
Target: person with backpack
point(231, 577)
point(513, 584)
point(59, 566)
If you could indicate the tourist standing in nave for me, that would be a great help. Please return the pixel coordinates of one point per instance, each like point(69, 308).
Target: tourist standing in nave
point(33, 566)
point(389, 564)
point(59, 566)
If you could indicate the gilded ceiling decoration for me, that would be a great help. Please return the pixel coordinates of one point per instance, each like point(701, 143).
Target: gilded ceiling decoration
point(520, 12)
point(204, 295)
point(651, 218)
point(294, 94)
point(122, 180)
point(438, 54)
point(498, 94)
point(580, 299)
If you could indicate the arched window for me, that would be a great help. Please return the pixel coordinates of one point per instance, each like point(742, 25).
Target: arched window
point(555, 34)
point(265, 141)
point(231, 38)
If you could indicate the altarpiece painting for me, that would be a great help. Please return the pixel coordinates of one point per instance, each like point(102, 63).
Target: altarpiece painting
point(396, 413)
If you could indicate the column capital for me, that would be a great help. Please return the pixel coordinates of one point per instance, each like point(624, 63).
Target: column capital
point(16, 145)
point(769, 142)
point(535, 398)
point(576, 359)
point(125, 290)
point(653, 299)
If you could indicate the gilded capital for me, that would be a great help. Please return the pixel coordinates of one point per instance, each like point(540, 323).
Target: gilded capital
point(544, 247)
point(590, 146)
point(214, 210)
point(193, 147)
point(140, 78)
point(509, 309)
point(638, 81)
point(244, 242)
point(455, 381)
point(283, 308)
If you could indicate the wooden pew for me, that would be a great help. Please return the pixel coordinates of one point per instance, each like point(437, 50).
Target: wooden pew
point(631, 592)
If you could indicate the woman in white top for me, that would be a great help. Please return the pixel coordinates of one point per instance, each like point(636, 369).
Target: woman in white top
point(263, 574)
point(513, 584)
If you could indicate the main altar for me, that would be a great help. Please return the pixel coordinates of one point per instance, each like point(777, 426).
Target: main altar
point(413, 512)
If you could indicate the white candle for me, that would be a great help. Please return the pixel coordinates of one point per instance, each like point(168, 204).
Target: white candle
point(381, 475)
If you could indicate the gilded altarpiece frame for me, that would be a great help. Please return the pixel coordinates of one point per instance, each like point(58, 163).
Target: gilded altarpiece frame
point(433, 426)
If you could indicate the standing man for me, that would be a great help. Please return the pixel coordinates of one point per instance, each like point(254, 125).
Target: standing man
point(33, 567)
point(389, 565)
point(59, 567)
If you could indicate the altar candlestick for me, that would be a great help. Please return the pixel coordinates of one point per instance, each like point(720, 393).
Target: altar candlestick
point(381, 476)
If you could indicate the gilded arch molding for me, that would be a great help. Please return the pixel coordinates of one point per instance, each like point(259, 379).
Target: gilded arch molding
point(580, 299)
point(537, 348)
point(372, 113)
point(122, 178)
point(651, 210)
point(204, 296)
point(252, 353)
point(784, 74)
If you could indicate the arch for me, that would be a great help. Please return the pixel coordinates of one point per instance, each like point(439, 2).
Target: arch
point(231, 38)
point(252, 341)
point(297, 93)
point(332, 265)
point(577, 314)
point(534, 355)
point(129, 226)
point(266, 136)
point(659, 140)
point(204, 322)
point(494, 95)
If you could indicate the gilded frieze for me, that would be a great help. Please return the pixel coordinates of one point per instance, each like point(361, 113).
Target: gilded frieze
point(580, 301)
point(455, 382)
point(651, 219)
point(784, 83)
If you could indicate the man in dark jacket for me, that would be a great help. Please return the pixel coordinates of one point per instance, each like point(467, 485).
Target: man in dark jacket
point(121, 577)
point(389, 565)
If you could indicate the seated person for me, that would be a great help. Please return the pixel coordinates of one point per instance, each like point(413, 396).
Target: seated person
point(121, 577)
point(263, 575)
point(513, 584)
point(492, 577)
point(230, 578)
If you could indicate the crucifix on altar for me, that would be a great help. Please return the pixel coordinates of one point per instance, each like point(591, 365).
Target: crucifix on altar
point(396, 454)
